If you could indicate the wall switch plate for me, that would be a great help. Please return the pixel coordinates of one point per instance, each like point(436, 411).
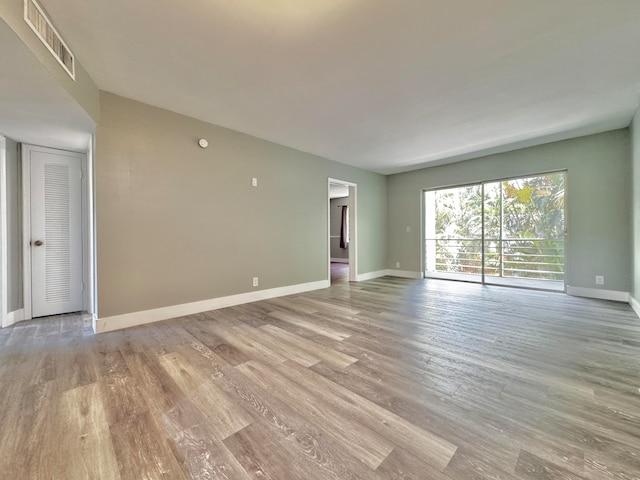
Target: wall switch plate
point(397, 264)
point(408, 229)
point(599, 279)
point(255, 281)
point(254, 182)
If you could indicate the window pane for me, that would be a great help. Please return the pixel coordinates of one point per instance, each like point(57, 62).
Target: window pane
point(534, 207)
point(453, 230)
point(533, 227)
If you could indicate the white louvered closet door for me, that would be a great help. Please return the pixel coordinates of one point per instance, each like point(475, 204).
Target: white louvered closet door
point(56, 233)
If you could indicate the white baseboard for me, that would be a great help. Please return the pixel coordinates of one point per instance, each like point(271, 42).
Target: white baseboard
point(635, 305)
point(13, 317)
point(390, 272)
point(126, 320)
point(339, 260)
point(598, 293)
point(404, 274)
point(370, 275)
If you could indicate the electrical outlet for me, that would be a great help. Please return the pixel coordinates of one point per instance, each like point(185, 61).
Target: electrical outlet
point(255, 281)
point(254, 182)
point(397, 264)
point(599, 279)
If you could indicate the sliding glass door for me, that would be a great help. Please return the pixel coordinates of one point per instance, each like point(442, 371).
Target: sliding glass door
point(508, 232)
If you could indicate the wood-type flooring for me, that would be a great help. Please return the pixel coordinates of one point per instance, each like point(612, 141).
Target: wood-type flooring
point(339, 273)
point(384, 379)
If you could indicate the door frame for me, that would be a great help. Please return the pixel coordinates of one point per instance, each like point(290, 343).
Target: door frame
point(3, 235)
point(87, 227)
point(353, 227)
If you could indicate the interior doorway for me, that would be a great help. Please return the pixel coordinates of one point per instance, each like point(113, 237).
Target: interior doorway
point(342, 254)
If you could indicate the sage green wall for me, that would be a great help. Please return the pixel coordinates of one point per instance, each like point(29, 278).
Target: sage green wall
point(598, 203)
point(635, 158)
point(177, 223)
point(335, 225)
point(83, 89)
point(14, 227)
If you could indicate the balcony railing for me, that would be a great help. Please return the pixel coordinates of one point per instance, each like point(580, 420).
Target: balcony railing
point(535, 258)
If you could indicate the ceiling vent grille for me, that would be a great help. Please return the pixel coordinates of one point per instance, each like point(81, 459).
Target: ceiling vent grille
point(44, 29)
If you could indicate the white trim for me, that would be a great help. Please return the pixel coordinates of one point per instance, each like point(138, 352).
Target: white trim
point(339, 260)
point(635, 305)
point(422, 233)
point(26, 231)
point(391, 273)
point(126, 320)
point(88, 231)
point(598, 293)
point(4, 258)
point(371, 275)
point(405, 274)
point(14, 317)
point(353, 232)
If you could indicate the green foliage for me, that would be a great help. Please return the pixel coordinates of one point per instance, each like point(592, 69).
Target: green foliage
point(533, 207)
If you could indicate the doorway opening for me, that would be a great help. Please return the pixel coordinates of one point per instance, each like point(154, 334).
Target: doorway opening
point(509, 232)
point(342, 254)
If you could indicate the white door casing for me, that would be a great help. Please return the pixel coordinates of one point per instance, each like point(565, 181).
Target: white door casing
point(3, 235)
point(55, 238)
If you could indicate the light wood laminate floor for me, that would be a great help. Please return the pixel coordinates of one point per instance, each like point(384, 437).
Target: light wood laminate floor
point(385, 379)
point(339, 273)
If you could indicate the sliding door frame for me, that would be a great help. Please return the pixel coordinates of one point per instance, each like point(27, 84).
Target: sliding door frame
point(482, 184)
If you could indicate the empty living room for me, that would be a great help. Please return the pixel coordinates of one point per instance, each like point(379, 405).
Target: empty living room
point(319, 239)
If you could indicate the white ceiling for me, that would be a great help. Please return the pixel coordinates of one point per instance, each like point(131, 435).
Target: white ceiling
point(34, 109)
point(384, 85)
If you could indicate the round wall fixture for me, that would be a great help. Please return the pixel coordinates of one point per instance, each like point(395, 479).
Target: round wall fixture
point(203, 143)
